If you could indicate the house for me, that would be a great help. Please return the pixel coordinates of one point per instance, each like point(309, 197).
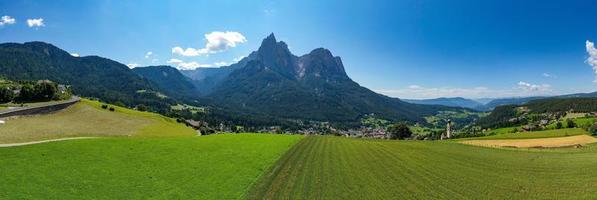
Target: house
point(544, 122)
point(195, 124)
point(62, 88)
point(375, 133)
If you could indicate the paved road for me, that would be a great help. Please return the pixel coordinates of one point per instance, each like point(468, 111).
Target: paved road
point(43, 141)
point(49, 104)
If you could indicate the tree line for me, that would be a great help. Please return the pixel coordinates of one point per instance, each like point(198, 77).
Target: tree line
point(32, 91)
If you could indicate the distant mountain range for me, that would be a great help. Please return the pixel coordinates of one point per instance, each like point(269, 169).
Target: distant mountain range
point(487, 104)
point(454, 102)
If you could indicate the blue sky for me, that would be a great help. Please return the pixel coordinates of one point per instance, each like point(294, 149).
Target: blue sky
point(407, 49)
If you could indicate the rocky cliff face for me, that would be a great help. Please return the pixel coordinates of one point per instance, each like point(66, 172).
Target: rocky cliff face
point(313, 86)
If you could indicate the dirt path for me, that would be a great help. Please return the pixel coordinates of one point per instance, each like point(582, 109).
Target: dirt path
point(536, 143)
point(43, 141)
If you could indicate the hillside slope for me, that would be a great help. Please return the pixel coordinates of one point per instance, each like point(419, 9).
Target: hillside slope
point(89, 76)
point(87, 118)
point(169, 80)
point(509, 115)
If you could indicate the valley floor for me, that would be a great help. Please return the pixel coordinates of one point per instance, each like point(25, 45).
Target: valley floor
point(142, 155)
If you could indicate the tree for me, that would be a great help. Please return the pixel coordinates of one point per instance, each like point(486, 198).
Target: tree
point(399, 131)
point(6, 95)
point(141, 107)
point(27, 93)
point(45, 90)
point(570, 123)
point(559, 125)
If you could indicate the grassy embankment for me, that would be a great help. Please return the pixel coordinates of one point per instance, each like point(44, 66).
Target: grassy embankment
point(86, 118)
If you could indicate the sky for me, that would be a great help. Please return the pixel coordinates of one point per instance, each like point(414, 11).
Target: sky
point(407, 49)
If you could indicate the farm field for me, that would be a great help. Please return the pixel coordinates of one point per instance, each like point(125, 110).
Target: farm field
point(533, 134)
point(321, 167)
point(87, 118)
point(207, 167)
point(552, 142)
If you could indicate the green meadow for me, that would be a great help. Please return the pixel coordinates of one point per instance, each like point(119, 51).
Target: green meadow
point(321, 167)
point(208, 167)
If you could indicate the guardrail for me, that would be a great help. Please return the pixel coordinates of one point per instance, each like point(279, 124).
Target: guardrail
point(43, 109)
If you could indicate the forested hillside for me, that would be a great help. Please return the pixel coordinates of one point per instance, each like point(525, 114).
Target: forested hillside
point(90, 76)
point(509, 115)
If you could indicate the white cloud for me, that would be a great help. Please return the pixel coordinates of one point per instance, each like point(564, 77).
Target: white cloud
point(222, 63)
point(181, 65)
point(414, 87)
point(216, 42)
point(74, 54)
point(238, 59)
point(174, 60)
point(548, 75)
point(7, 20)
point(533, 87)
point(148, 54)
point(592, 60)
point(188, 51)
point(35, 22)
point(132, 65)
point(420, 92)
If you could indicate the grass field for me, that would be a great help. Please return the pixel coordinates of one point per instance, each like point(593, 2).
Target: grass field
point(164, 160)
point(88, 119)
point(207, 167)
point(533, 134)
point(343, 168)
point(551, 142)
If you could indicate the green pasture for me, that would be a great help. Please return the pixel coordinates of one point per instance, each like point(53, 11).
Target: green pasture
point(206, 167)
point(321, 167)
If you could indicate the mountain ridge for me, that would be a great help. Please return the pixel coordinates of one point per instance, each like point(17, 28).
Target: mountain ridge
point(312, 86)
point(92, 76)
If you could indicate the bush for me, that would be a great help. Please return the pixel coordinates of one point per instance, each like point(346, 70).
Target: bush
point(111, 108)
point(104, 106)
point(559, 125)
point(399, 131)
point(6, 95)
point(593, 129)
point(119, 103)
point(141, 107)
point(570, 123)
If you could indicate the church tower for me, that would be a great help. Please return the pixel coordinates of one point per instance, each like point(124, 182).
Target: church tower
point(449, 129)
